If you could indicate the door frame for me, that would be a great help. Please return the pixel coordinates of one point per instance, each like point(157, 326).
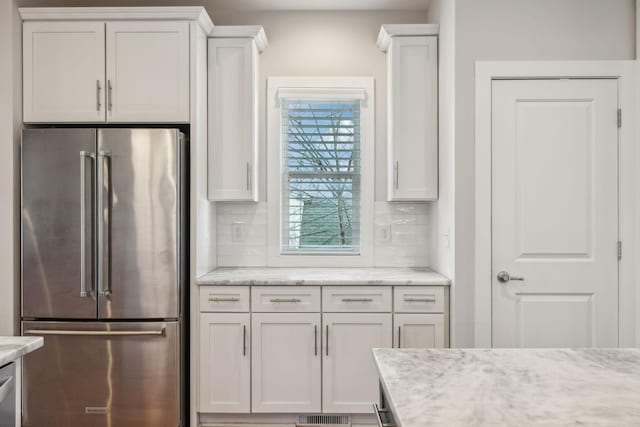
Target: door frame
point(629, 180)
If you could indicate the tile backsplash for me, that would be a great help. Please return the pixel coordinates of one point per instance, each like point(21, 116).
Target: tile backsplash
point(402, 234)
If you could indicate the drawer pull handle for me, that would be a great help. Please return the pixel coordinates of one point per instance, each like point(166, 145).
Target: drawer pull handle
point(378, 412)
point(431, 299)
point(217, 299)
point(357, 299)
point(294, 300)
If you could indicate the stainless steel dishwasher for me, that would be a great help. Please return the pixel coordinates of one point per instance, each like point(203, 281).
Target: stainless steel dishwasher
point(8, 395)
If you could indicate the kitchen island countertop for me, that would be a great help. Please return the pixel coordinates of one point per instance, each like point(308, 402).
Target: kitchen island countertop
point(509, 387)
point(12, 348)
point(322, 276)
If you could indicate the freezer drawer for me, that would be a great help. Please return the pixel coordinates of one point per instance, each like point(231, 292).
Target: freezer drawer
point(103, 374)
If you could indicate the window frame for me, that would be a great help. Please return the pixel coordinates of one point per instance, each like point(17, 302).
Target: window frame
point(316, 85)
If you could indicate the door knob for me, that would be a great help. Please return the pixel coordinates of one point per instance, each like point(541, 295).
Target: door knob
point(504, 277)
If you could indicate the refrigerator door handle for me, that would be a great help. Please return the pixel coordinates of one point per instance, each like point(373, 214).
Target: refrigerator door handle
point(84, 292)
point(104, 238)
point(160, 332)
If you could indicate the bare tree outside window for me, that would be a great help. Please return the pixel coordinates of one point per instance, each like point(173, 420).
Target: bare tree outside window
point(321, 165)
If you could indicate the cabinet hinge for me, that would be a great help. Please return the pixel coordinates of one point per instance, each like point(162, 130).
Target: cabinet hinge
point(619, 117)
point(619, 250)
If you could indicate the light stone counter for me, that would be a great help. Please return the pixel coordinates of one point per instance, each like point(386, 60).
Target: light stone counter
point(323, 276)
point(12, 348)
point(511, 387)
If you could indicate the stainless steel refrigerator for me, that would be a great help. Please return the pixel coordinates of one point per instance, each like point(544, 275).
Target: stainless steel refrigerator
point(103, 273)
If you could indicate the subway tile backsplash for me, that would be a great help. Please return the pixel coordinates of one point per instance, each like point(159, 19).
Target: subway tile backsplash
point(401, 234)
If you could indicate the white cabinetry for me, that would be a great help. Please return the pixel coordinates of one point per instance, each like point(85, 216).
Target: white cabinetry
point(147, 71)
point(418, 330)
point(412, 111)
point(63, 72)
point(233, 112)
point(349, 377)
point(286, 362)
point(311, 346)
point(98, 71)
point(224, 362)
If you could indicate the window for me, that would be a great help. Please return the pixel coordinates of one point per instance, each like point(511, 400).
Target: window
point(321, 175)
point(320, 171)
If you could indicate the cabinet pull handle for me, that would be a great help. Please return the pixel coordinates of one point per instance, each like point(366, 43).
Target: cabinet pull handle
point(248, 176)
point(357, 299)
point(217, 299)
point(428, 299)
point(98, 89)
point(315, 338)
point(109, 94)
point(327, 341)
point(244, 340)
point(397, 174)
point(276, 300)
point(399, 336)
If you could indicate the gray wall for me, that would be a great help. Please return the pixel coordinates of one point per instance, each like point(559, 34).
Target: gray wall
point(10, 125)
point(517, 30)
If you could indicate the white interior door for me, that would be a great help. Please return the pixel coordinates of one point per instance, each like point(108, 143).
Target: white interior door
point(555, 213)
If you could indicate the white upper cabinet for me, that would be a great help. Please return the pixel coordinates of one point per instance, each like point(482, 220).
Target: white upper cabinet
point(412, 111)
point(233, 112)
point(63, 72)
point(148, 71)
point(111, 65)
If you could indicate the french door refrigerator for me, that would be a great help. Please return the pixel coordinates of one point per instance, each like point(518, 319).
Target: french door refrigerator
point(102, 276)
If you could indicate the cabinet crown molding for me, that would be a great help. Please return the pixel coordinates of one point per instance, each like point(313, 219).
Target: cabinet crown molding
point(255, 32)
point(179, 13)
point(387, 31)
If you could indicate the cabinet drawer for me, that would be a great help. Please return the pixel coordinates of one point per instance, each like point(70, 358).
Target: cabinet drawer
point(356, 299)
point(419, 299)
point(281, 299)
point(224, 298)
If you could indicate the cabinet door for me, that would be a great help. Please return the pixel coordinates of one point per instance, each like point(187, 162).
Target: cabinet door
point(148, 71)
point(419, 330)
point(286, 362)
point(350, 376)
point(224, 363)
point(233, 119)
point(413, 118)
point(63, 76)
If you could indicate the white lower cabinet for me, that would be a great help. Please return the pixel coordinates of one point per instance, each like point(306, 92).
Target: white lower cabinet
point(278, 350)
point(224, 379)
point(418, 330)
point(286, 370)
point(349, 377)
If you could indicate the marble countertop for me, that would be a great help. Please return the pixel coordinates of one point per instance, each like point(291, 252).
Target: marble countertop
point(511, 387)
point(322, 276)
point(12, 348)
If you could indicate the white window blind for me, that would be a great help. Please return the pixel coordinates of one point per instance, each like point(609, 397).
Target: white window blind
point(321, 175)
